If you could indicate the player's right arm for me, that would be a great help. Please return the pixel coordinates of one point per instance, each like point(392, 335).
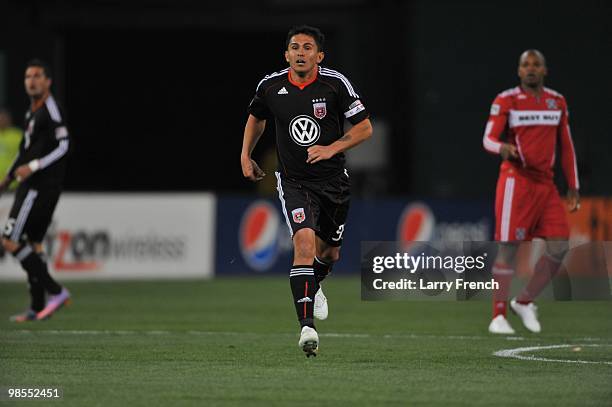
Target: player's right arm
point(252, 132)
point(498, 118)
point(255, 126)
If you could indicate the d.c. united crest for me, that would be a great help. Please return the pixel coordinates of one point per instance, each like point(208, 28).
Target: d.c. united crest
point(320, 108)
point(298, 215)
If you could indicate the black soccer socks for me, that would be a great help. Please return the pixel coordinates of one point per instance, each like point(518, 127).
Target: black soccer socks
point(321, 269)
point(37, 269)
point(303, 288)
point(37, 293)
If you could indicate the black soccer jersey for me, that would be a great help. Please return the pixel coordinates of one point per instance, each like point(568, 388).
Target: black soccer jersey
point(306, 115)
point(45, 139)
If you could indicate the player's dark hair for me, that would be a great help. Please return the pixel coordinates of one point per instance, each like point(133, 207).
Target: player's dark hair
point(313, 32)
point(40, 64)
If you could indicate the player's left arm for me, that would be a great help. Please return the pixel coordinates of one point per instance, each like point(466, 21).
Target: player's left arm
point(60, 138)
point(357, 134)
point(350, 103)
point(568, 160)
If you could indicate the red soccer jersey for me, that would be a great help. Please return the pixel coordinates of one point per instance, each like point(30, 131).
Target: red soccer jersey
point(533, 124)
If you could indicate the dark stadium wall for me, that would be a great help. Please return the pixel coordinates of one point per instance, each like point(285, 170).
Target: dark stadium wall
point(169, 105)
point(156, 96)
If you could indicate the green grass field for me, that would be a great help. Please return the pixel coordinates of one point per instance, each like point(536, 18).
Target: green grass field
point(234, 342)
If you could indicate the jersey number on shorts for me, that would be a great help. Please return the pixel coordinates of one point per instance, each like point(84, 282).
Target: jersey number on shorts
point(339, 232)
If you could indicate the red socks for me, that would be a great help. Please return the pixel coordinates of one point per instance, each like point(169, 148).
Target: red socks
point(502, 274)
point(544, 271)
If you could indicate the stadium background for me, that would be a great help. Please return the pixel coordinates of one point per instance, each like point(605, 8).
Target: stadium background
point(156, 94)
point(152, 83)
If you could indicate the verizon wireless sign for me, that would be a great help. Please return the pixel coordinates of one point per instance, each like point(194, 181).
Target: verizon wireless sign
point(126, 236)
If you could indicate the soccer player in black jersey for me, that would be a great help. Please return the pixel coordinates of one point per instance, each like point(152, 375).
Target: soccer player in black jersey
point(39, 168)
point(309, 104)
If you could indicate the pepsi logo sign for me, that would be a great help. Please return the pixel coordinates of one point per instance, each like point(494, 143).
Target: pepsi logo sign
point(259, 235)
point(416, 224)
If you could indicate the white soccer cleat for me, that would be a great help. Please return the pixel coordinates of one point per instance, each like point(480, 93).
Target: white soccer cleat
point(309, 341)
point(320, 310)
point(500, 325)
point(528, 314)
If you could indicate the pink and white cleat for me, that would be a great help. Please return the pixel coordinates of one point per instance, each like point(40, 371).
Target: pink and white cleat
point(54, 303)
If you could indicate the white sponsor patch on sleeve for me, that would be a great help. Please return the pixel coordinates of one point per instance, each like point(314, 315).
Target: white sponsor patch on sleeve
point(494, 109)
point(354, 108)
point(61, 132)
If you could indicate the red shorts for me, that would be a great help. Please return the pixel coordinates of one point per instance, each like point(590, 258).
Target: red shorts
point(525, 209)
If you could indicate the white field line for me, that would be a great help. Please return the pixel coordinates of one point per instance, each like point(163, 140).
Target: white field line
point(236, 333)
point(323, 334)
point(516, 353)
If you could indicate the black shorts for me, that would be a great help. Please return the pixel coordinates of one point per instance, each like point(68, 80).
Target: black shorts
point(321, 206)
point(31, 214)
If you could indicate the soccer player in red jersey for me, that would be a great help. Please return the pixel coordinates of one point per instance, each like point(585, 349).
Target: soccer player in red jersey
point(527, 204)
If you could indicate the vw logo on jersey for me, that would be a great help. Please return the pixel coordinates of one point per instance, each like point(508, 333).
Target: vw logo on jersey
point(416, 224)
point(304, 130)
point(259, 235)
